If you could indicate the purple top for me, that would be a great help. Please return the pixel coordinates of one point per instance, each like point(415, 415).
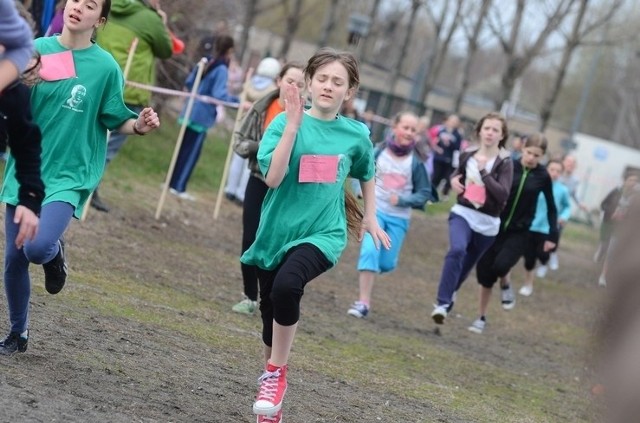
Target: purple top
point(57, 22)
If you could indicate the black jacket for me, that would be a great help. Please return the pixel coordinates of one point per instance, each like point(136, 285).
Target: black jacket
point(523, 198)
point(24, 138)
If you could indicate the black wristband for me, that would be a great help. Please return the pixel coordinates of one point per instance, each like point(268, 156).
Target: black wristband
point(137, 131)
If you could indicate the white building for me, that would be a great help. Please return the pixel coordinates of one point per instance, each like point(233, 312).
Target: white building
point(601, 165)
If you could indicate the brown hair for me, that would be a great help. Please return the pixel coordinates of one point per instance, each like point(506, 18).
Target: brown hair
point(328, 55)
point(353, 212)
point(536, 140)
point(224, 43)
point(290, 65)
point(555, 161)
point(496, 116)
point(400, 115)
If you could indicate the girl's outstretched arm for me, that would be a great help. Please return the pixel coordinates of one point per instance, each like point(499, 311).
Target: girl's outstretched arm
point(369, 220)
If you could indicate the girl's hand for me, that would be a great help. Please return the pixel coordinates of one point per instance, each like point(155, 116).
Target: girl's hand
point(28, 222)
point(548, 246)
point(481, 160)
point(370, 224)
point(393, 199)
point(147, 121)
point(456, 185)
point(293, 104)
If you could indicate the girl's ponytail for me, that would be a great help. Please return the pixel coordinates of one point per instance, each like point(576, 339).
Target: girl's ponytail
point(353, 212)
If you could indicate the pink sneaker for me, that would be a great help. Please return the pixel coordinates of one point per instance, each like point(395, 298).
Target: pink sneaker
point(277, 418)
point(273, 385)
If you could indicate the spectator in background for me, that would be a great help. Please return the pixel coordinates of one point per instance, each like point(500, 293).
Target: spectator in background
point(447, 143)
point(203, 116)
point(628, 193)
point(608, 207)
point(423, 142)
point(57, 22)
point(516, 146)
point(260, 84)
point(146, 21)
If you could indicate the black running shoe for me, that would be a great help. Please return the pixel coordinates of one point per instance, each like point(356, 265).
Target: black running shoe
point(14, 343)
point(55, 272)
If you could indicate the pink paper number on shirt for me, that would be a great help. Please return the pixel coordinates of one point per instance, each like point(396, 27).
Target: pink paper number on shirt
point(475, 193)
point(318, 169)
point(57, 66)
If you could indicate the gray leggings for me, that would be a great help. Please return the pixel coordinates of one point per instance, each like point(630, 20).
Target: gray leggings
point(54, 219)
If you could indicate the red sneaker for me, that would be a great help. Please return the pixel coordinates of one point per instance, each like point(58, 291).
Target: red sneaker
point(273, 385)
point(277, 418)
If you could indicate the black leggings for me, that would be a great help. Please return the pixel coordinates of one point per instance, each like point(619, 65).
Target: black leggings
point(281, 289)
point(498, 260)
point(535, 250)
point(251, 208)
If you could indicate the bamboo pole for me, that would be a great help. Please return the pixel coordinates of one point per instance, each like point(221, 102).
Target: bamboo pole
point(183, 128)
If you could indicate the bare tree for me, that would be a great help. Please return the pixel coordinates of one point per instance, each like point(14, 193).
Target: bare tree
point(373, 15)
point(440, 46)
point(627, 125)
point(329, 23)
point(519, 58)
point(292, 19)
point(397, 67)
point(472, 47)
point(247, 23)
point(579, 32)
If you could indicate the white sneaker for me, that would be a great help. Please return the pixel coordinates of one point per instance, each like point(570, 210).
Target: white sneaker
point(508, 298)
point(526, 290)
point(602, 281)
point(440, 313)
point(477, 326)
point(541, 271)
point(553, 261)
point(184, 195)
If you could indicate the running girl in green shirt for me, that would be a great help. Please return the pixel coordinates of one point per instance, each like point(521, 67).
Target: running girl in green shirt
point(306, 157)
point(78, 100)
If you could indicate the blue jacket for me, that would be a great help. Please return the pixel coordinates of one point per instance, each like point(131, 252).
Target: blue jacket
point(562, 200)
point(422, 189)
point(213, 84)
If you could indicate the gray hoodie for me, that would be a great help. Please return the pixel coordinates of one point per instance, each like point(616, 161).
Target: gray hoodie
point(15, 36)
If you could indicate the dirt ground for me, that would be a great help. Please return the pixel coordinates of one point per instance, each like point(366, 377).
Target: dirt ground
point(143, 331)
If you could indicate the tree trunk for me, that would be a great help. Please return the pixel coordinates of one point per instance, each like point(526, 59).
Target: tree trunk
point(329, 23)
point(292, 21)
point(518, 63)
point(372, 19)
point(397, 68)
point(438, 54)
point(471, 52)
point(249, 17)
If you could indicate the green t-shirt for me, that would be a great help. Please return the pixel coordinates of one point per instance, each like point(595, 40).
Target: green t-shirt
point(74, 115)
point(309, 212)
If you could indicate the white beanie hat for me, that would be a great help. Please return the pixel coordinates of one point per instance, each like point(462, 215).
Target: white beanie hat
point(269, 67)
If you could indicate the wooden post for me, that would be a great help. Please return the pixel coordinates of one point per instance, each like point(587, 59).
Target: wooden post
point(183, 128)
